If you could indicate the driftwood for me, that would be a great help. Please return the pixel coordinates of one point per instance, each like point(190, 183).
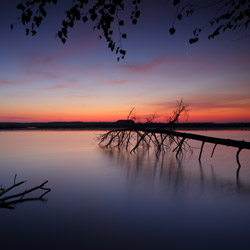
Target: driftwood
point(8, 201)
point(134, 136)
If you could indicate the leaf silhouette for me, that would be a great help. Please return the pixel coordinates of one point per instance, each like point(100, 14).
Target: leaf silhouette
point(172, 31)
point(193, 40)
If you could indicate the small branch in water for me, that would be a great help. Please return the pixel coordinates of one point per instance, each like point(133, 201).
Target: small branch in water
point(10, 188)
point(238, 161)
point(9, 200)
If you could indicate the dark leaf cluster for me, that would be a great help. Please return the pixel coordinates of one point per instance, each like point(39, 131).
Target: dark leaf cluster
point(104, 14)
point(33, 13)
point(227, 15)
point(105, 17)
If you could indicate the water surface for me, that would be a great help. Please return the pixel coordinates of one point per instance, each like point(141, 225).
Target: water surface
point(110, 199)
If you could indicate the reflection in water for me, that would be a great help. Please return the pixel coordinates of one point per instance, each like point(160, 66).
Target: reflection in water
point(173, 174)
point(117, 200)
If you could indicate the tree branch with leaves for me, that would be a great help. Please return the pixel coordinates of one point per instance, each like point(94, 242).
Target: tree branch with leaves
point(105, 17)
point(226, 15)
point(103, 14)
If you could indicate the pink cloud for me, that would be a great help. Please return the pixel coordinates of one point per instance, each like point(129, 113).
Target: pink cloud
point(181, 64)
point(174, 65)
point(7, 82)
point(58, 86)
point(146, 66)
point(230, 101)
point(39, 59)
point(37, 66)
point(51, 67)
point(83, 43)
point(242, 60)
point(208, 101)
point(45, 67)
point(114, 82)
point(42, 74)
point(11, 118)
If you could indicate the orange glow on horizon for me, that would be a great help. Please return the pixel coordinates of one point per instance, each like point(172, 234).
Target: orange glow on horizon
point(212, 115)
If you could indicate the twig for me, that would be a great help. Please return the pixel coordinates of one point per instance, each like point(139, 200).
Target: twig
point(9, 200)
point(10, 188)
point(26, 192)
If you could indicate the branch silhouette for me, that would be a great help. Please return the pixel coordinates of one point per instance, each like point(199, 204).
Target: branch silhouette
point(105, 17)
point(8, 201)
point(163, 138)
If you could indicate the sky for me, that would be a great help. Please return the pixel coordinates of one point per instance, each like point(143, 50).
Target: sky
point(43, 80)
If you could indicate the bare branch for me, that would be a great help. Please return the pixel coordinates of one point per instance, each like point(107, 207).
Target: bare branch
point(163, 138)
point(9, 200)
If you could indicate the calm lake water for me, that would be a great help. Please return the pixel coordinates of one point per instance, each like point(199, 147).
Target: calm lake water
point(102, 199)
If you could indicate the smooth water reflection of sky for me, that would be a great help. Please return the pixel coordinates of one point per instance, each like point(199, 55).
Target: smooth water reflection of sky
point(104, 199)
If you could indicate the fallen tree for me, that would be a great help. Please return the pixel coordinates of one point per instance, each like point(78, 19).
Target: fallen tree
point(166, 138)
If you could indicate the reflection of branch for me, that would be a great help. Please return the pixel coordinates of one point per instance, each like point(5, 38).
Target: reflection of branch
point(163, 138)
point(171, 176)
point(9, 200)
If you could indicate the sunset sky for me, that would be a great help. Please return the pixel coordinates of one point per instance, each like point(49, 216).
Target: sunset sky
point(42, 79)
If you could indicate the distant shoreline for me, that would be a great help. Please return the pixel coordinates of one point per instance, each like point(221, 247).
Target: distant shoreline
point(115, 125)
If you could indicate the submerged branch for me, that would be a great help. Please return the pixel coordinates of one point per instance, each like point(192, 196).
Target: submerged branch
point(8, 200)
point(238, 161)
